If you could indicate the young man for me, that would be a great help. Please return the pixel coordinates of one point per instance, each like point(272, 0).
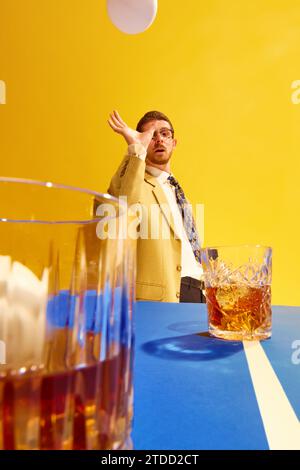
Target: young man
point(168, 267)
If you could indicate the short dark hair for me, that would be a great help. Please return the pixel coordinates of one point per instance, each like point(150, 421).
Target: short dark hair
point(153, 116)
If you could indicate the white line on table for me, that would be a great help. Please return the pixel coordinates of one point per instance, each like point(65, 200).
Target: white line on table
point(281, 424)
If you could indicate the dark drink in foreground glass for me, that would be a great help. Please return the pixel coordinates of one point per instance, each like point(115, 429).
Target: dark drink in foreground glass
point(66, 329)
point(88, 407)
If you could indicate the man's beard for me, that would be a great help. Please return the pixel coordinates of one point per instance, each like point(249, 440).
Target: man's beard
point(158, 159)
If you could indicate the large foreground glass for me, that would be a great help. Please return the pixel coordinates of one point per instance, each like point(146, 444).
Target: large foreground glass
point(238, 291)
point(66, 296)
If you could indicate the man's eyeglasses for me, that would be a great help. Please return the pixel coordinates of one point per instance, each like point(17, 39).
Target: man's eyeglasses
point(165, 134)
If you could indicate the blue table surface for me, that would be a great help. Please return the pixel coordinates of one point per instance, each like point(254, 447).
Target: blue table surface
point(192, 391)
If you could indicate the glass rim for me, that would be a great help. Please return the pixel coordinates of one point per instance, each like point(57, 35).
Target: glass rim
point(50, 185)
point(246, 245)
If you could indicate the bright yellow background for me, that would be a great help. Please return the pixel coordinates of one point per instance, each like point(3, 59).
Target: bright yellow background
point(221, 69)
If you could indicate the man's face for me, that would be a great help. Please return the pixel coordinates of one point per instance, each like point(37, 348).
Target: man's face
point(162, 144)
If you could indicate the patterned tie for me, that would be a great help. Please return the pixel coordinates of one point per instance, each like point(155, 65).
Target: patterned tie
point(187, 218)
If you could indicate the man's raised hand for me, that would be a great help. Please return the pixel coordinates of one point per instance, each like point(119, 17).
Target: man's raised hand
point(130, 135)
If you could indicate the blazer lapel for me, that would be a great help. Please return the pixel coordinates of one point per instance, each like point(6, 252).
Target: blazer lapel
point(161, 200)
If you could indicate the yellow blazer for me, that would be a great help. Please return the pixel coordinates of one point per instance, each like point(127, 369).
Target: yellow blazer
point(159, 257)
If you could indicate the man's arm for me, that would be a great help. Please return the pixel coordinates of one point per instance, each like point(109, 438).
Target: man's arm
point(129, 177)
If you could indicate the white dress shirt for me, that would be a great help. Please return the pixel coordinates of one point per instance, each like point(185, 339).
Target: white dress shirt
point(190, 266)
